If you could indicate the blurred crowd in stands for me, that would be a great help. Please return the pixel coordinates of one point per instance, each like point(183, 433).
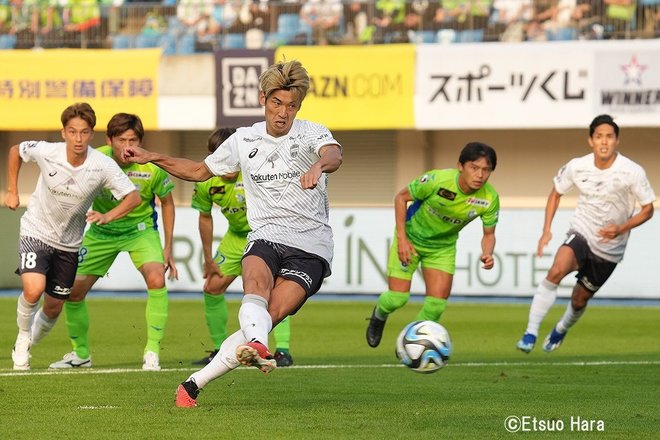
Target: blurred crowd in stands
point(190, 26)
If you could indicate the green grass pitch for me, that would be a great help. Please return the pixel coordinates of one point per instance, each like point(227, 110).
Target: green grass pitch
point(603, 383)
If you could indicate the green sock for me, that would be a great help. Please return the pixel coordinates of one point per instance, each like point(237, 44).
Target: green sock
point(432, 309)
point(77, 324)
point(390, 301)
point(215, 310)
point(156, 315)
point(282, 334)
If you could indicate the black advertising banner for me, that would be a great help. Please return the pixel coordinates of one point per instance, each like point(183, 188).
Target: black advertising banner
point(237, 86)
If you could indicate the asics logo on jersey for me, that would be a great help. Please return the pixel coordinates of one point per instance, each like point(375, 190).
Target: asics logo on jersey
point(216, 190)
point(52, 173)
point(253, 153)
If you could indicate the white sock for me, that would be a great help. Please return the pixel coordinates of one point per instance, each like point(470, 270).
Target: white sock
point(541, 304)
point(24, 314)
point(570, 317)
point(254, 318)
point(222, 363)
point(41, 326)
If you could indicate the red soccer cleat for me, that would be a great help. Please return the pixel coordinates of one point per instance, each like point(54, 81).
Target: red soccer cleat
point(185, 393)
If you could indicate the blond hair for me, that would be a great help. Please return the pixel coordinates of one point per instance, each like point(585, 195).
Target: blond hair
point(285, 75)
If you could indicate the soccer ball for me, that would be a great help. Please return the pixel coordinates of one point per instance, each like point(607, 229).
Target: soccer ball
point(423, 346)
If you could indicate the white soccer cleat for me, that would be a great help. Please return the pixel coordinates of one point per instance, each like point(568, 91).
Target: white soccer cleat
point(151, 362)
point(20, 354)
point(71, 360)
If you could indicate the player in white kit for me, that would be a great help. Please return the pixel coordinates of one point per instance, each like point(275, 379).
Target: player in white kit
point(72, 174)
point(284, 163)
point(609, 186)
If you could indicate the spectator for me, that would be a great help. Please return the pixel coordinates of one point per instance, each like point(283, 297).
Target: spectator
point(195, 15)
point(509, 19)
point(225, 14)
point(82, 19)
point(619, 17)
point(356, 15)
point(562, 23)
point(388, 22)
point(255, 17)
point(462, 21)
point(588, 14)
point(324, 18)
point(542, 13)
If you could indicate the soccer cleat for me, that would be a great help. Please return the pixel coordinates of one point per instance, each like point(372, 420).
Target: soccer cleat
point(71, 360)
point(553, 340)
point(151, 361)
point(206, 359)
point(20, 354)
point(526, 343)
point(186, 395)
point(375, 330)
point(283, 359)
point(256, 354)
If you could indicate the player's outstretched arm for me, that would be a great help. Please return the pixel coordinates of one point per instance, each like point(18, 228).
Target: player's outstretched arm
point(330, 160)
point(405, 249)
point(612, 231)
point(550, 209)
point(184, 169)
point(130, 201)
point(167, 206)
point(488, 247)
point(14, 163)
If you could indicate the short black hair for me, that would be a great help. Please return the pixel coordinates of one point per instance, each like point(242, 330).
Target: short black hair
point(603, 119)
point(218, 136)
point(475, 151)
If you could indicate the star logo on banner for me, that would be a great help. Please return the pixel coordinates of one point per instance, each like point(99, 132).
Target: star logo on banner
point(633, 71)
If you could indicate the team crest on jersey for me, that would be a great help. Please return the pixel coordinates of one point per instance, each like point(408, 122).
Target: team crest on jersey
point(294, 151)
point(477, 202)
point(240, 198)
point(471, 214)
point(217, 190)
point(447, 194)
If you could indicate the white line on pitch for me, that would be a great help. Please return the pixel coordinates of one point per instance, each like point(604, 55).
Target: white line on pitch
point(11, 373)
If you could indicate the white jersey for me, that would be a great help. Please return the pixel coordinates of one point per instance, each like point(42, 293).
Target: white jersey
point(56, 213)
point(279, 210)
point(606, 197)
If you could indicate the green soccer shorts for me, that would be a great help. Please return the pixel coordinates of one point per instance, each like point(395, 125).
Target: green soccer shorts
point(229, 254)
point(97, 254)
point(443, 259)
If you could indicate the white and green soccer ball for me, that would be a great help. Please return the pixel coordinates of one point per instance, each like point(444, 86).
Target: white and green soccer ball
point(423, 346)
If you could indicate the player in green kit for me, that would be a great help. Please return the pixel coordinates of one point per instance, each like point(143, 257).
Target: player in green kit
point(137, 234)
point(443, 203)
point(220, 271)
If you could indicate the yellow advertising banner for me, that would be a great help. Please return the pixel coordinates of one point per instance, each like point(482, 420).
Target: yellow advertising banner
point(37, 85)
point(357, 87)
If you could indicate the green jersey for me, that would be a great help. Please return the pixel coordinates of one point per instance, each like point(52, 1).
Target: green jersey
point(440, 209)
point(229, 196)
point(150, 181)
